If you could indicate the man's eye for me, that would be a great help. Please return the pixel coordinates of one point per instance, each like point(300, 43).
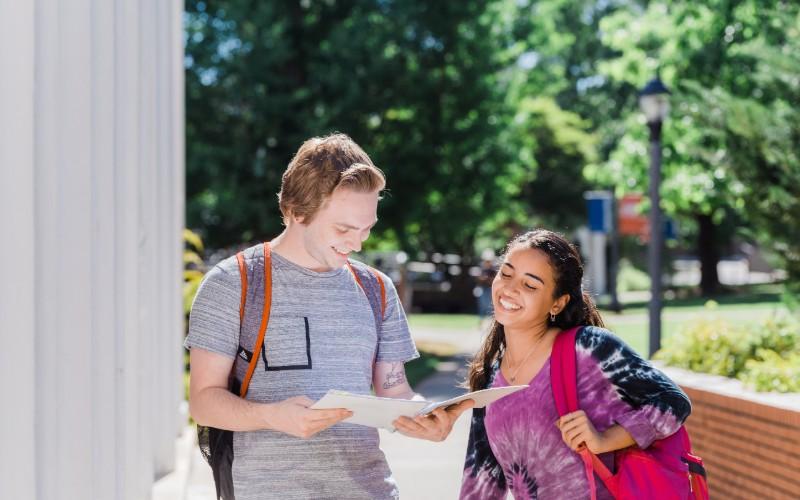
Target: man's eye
point(504, 275)
point(340, 230)
point(530, 286)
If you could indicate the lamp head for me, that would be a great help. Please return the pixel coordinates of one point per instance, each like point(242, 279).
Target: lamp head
point(654, 101)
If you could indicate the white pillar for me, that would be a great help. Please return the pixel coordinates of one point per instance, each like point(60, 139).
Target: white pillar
point(91, 211)
point(597, 263)
point(17, 247)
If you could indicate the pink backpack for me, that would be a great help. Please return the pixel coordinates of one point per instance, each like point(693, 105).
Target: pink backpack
point(666, 470)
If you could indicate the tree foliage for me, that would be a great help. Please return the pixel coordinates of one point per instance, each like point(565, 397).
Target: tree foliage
point(418, 84)
point(492, 116)
point(699, 51)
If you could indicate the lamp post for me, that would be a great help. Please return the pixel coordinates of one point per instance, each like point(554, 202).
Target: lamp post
point(654, 102)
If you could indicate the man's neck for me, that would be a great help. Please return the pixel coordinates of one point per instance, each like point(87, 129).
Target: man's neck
point(289, 245)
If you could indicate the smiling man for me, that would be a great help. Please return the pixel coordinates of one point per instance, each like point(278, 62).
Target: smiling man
point(324, 331)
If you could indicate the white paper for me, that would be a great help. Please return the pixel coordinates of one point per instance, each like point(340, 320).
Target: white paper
point(378, 412)
point(481, 398)
point(371, 411)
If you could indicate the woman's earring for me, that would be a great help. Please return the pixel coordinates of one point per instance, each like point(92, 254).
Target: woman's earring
point(552, 318)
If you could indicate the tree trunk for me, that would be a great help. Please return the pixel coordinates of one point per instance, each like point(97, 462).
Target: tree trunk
point(707, 251)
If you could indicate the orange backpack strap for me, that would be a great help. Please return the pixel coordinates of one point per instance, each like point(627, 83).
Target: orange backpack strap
point(243, 275)
point(264, 318)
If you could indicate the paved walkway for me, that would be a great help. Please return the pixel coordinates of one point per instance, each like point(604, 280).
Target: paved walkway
point(423, 470)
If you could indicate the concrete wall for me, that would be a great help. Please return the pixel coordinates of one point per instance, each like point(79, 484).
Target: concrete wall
point(91, 212)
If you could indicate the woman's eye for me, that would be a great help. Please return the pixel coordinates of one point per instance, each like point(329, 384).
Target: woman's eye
point(530, 286)
point(504, 275)
point(340, 230)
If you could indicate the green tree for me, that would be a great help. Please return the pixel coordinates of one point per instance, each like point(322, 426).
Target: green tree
point(558, 102)
point(757, 137)
point(418, 84)
point(693, 46)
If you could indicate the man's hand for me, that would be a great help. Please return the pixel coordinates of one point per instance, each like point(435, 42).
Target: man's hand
point(294, 417)
point(435, 426)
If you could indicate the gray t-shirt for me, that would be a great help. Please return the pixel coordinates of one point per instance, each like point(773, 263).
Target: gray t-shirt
point(321, 336)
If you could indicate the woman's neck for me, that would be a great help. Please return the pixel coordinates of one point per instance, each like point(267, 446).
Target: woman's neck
point(520, 341)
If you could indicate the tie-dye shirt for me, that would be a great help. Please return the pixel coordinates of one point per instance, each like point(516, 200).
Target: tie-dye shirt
point(514, 444)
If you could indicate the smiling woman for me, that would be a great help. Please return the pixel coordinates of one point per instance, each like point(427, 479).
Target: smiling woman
point(522, 443)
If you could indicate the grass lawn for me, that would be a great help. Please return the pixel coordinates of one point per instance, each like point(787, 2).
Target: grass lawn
point(750, 301)
point(632, 324)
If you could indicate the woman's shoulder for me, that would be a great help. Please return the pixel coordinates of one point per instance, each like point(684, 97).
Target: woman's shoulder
point(601, 343)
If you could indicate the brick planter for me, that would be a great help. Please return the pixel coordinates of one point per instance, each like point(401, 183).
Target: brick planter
point(749, 441)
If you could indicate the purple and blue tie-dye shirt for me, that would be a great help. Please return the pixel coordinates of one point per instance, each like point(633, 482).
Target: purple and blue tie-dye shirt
point(514, 444)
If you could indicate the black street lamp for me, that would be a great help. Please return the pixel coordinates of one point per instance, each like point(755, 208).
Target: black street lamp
point(654, 101)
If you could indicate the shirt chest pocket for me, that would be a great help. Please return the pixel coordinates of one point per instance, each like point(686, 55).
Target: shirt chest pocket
point(287, 344)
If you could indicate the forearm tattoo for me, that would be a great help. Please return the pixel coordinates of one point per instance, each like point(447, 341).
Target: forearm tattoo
point(395, 377)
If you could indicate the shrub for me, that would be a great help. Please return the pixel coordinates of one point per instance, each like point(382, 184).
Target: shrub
point(709, 345)
point(766, 357)
point(193, 271)
point(773, 372)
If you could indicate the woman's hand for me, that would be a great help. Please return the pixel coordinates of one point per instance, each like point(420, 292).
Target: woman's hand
point(435, 426)
point(577, 431)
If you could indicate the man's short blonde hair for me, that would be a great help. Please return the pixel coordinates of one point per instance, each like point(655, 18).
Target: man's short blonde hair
point(321, 165)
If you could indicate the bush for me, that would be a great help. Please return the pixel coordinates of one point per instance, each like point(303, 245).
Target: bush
point(766, 357)
point(709, 345)
point(772, 372)
point(193, 271)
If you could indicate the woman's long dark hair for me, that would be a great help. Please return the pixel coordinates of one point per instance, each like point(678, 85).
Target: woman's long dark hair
point(568, 272)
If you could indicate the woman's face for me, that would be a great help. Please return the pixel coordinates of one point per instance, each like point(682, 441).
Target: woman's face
point(522, 291)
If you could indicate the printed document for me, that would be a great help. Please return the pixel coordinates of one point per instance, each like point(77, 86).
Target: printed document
point(374, 411)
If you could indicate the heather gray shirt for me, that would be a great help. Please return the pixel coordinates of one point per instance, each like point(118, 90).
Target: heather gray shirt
point(321, 335)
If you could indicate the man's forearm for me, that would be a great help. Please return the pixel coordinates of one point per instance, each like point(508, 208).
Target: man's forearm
point(218, 407)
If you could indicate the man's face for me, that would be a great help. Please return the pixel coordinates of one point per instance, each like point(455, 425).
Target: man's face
point(340, 226)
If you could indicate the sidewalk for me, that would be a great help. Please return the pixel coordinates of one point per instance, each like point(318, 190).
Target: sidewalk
point(423, 470)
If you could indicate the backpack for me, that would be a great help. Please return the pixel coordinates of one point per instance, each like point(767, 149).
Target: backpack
point(216, 445)
point(666, 469)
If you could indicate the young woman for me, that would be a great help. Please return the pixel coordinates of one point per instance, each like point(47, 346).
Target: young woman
point(519, 443)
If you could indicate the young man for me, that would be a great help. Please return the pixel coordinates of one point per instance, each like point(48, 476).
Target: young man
point(322, 334)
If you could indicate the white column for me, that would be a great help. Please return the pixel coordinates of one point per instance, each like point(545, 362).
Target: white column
point(105, 413)
point(91, 207)
point(17, 251)
point(177, 116)
point(126, 141)
point(148, 265)
point(597, 263)
point(47, 273)
point(71, 377)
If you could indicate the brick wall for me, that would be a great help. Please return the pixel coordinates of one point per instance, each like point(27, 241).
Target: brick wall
point(751, 449)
